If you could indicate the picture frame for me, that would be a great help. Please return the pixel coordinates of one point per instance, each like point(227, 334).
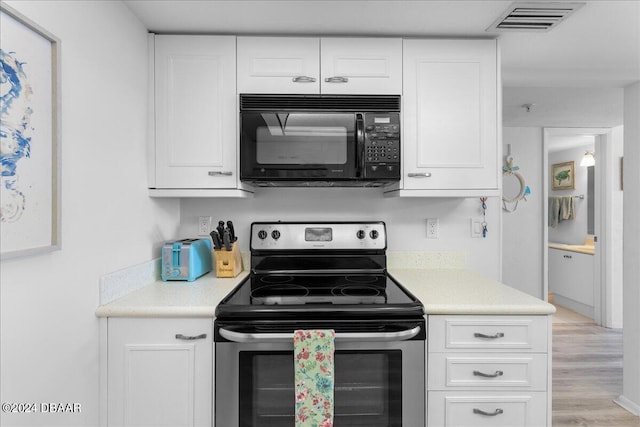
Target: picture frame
point(30, 213)
point(563, 176)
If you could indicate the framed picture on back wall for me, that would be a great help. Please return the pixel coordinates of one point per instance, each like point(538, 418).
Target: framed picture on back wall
point(29, 136)
point(563, 176)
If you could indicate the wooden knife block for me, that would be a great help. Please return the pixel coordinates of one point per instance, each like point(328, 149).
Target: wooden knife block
point(228, 263)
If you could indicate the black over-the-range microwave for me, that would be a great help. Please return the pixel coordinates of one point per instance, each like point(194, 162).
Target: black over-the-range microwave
point(319, 140)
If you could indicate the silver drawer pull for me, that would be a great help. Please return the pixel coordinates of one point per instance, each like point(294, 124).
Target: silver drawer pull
point(491, 337)
point(220, 173)
point(498, 411)
point(419, 175)
point(304, 79)
point(336, 79)
point(482, 374)
point(189, 338)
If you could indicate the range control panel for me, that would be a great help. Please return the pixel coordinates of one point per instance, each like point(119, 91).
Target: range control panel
point(321, 235)
point(382, 145)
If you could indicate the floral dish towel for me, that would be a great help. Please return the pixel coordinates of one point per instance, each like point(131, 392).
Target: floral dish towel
point(313, 360)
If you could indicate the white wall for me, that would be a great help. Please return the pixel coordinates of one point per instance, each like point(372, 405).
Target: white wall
point(405, 218)
point(631, 337)
point(522, 229)
point(614, 206)
point(572, 231)
point(49, 333)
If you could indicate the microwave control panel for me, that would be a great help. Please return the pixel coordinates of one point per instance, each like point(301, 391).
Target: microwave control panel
point(382, 145)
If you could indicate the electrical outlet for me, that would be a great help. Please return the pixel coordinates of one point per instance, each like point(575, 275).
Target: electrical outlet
point(204, 225)
point(432, 228)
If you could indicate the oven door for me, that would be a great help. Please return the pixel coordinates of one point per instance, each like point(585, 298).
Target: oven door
point(379, 379)
point(294, 146)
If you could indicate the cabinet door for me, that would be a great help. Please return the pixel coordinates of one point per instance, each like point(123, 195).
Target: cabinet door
point(450, 133)
point(157, 376)
point(361, 66)
point(571, 275)
point(195, 112)
point(278, 65)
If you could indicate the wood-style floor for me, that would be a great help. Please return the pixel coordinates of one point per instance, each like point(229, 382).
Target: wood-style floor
point(587, 374)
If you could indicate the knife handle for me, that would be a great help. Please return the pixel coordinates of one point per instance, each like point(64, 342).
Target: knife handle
point(232, 231)
point(227, 240)
point(215, 237)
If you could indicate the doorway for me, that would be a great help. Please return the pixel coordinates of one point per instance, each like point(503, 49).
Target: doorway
point(582, 232)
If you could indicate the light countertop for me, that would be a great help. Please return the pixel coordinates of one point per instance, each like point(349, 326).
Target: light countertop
point(442, 291)
point(583, 249)
point(449, 291)
point(173, 298)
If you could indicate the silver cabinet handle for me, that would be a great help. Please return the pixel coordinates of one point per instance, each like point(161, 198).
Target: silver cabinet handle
point(498, 411)
point(192, 337)
point(491, 337)
point(220, 173)
point(303, 79)
point(482, 374)
point(342, 336)
point(419, 175)
point(337, 79)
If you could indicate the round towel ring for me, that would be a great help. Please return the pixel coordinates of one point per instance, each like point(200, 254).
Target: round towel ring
point(523, 187)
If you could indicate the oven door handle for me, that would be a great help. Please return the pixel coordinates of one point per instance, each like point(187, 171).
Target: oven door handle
point(340, 336)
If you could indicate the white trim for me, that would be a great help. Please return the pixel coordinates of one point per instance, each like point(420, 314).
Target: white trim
point(627, 404)
point(601, 282)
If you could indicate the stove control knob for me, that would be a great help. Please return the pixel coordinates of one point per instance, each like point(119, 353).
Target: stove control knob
point(275, 234)
point(361, 234)
point(374, 234)
point(262, 234)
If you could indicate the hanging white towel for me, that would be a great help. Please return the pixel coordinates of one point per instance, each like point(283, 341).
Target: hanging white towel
point(561, 208)
point(567, 208)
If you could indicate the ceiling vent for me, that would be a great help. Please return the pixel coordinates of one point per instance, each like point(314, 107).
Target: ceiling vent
point(534, 16)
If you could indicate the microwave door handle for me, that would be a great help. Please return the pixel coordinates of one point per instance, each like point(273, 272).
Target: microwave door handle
point(340, 336)
point(360, 155)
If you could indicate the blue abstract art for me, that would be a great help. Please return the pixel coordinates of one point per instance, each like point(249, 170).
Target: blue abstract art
point(15, 114)
point(29, 137)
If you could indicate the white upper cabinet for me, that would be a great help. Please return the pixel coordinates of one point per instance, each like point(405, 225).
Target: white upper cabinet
point(450, 110)
point(278, 65)
point(311, 65)
point(195, 112)
point(361, 66)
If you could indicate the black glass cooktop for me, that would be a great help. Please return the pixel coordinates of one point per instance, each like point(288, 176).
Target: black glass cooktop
point(282, 295)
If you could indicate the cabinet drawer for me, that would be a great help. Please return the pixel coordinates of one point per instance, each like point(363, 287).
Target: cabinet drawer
point(458, 409)
point(487, 371)
point(488, 333)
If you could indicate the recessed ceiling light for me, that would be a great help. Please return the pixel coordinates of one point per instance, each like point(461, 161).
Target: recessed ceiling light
point(534, 16)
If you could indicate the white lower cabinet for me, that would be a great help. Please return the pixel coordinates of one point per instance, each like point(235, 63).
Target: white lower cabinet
point(488, 371)
point(160, 372)
point(571, 280)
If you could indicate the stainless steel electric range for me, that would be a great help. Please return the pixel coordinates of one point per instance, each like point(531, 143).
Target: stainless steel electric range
point(320, 276)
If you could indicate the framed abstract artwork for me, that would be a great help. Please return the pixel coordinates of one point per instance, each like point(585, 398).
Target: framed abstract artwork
point(29, 137)
point(563, 176)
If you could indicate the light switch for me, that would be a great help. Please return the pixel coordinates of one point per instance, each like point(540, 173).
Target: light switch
point(476, 227)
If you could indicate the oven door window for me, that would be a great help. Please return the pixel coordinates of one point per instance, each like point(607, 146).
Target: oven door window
point(368, 388)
